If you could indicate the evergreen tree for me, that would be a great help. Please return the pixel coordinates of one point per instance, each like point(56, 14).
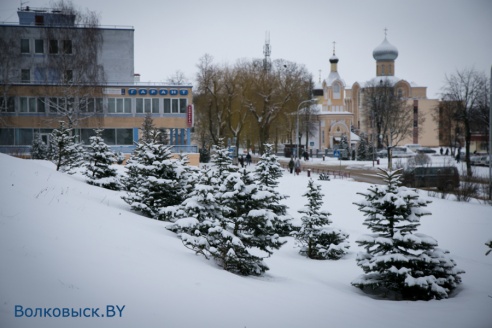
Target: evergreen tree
point(398, 262)
point(230, 222)
point(268, 171)
point(148, 129)
point(200, 206)
point(316, 238)
point(153, 180)
point(98, 166)
point(222, 160)
point(65, 153)
point(364, 149)
point(344, 143)
point(39, 150)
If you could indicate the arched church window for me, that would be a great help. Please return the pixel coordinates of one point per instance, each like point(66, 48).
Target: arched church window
point(400, 93)
point(336, 91)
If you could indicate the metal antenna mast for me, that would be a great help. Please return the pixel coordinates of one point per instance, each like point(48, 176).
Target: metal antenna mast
point(267, 64)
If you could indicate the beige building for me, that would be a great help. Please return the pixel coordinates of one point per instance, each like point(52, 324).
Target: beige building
point(340, 108)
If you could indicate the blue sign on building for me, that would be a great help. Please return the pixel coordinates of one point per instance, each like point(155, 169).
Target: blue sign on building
point(183, 92)
point(132, 92)
point(173, 92)
point(163, 92)
point(142, 92)
point(153, 92)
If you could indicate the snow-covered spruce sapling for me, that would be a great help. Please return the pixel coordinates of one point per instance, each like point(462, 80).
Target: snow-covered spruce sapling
point(99, 159)
point(153, 180)
point(268, 172)
point(316, 239)
point(242, 223)
point(65, 153)
point(39, 149)
point(398, 262)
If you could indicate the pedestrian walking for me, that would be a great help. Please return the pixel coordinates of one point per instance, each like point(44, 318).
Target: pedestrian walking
point(298, 166)
point(241, 161)
point(248, 159)
point(291, 165)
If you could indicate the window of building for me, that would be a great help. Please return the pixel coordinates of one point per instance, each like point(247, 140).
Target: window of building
point(91, 104)
point(67, 47)
point(167, 106)
point(175, 105)
point(25, 46)
point(400, 93)
point(39, 20)
point(39, 46)
point(155, 105)
point(7, 106)
point(6, 137)
point(27, 105)
point(119, 105)
point(109, 136)
point(124, 136)
point(54, 104)
point(182, 105)
point(336, 91)
point(147, 105)
point(53, 46)
point(41, 105)
point(68, 75)
point(25, 137)
point(85, 135)
point(25, 75)
point(382, 69)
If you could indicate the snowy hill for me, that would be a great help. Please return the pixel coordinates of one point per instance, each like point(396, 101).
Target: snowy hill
point(66, 244)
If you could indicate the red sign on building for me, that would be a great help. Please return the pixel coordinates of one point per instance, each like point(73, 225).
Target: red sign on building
point(189, 115)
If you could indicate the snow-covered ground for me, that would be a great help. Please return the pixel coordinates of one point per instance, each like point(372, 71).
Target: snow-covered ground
point(66, 244)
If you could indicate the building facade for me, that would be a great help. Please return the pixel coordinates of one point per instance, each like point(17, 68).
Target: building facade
point(341, 108)
point(56, 70)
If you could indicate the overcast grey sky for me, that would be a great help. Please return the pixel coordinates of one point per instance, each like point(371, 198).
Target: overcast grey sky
point(433, 37)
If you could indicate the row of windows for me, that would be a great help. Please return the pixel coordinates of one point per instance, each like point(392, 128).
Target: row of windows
point(40, 75)
point(39, 46)
point(24, 137)
point(114, 105)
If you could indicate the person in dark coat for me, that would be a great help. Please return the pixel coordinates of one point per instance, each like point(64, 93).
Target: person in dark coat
point(248, 159)
point(291, 165)
point(241, 161)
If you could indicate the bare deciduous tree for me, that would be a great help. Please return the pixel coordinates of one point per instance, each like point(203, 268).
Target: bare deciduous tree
point(389, 114)
point(72, 70)
point(466, 90)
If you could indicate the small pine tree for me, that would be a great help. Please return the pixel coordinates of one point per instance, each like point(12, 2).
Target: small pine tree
point(148, 129)
point(39, 150)
point(398, 262)
point(98, 166)
point(268, 171)
point(316, 238)
point(344, 143)
point(204, 155)
point(365, 149)
point(222, 160)
point(153, 180)
point(65, 153)
point(226, 223)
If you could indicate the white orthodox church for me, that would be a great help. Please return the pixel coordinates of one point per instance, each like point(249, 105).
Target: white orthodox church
point(339, 107)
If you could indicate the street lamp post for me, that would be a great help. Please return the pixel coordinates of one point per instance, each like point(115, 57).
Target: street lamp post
point(297, 126)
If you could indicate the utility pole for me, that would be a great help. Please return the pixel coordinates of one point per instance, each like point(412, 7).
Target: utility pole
point(267, 63)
